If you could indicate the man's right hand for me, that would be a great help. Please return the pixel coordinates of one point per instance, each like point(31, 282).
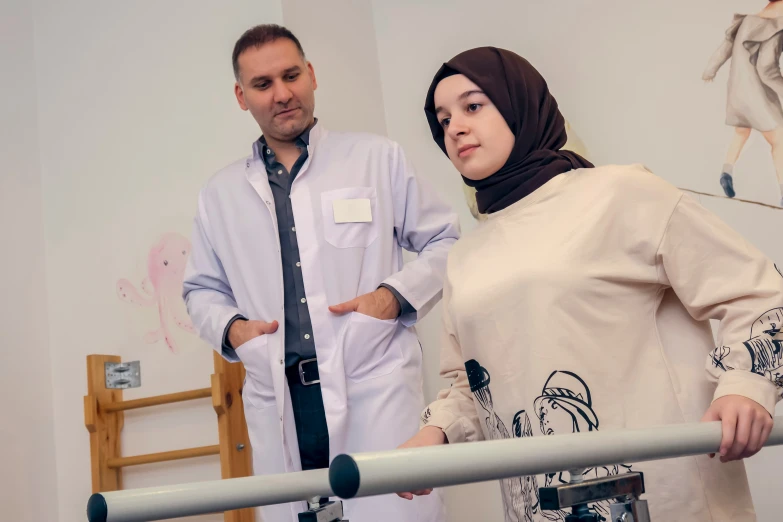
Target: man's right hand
point(242, 331)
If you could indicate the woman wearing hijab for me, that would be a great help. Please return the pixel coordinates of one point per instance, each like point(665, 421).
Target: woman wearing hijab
point(583, 301)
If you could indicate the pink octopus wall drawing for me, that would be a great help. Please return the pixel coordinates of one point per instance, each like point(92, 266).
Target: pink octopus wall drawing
point(162, 287)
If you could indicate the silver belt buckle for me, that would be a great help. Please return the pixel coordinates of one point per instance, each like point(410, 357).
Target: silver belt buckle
point(301, 373)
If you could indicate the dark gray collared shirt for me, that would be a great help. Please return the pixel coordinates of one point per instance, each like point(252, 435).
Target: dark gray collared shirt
point(299, 339)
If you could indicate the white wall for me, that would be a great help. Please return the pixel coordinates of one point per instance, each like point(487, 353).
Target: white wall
point(136, 112)
point(28, 489)
point(627, 76)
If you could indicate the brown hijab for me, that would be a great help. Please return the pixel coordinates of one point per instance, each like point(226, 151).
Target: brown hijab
point(521, 95)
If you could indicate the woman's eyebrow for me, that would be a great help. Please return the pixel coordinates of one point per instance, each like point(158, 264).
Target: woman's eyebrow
point(461, 97)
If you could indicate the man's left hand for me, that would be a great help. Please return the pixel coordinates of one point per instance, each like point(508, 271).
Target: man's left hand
point(380, 304)
point(746, 426)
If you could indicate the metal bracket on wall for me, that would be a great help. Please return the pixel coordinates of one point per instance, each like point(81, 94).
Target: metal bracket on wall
point(123, 375)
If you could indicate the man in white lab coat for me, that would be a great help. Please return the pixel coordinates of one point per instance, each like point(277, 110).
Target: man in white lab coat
point(297, 271)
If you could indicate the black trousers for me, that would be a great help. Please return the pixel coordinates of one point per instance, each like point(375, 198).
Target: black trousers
point(310, 418)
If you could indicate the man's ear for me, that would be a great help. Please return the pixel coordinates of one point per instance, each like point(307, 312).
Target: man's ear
point(240, 94)
point(311, 72)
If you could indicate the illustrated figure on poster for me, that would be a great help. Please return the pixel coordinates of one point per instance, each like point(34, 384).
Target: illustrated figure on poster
point(162, 287)
point(755, 87)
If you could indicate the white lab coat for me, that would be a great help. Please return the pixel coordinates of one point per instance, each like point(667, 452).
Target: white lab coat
point(370, 370)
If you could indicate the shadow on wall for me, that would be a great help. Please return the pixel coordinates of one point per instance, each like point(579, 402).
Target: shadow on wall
point(162, 287)
point(574, 144)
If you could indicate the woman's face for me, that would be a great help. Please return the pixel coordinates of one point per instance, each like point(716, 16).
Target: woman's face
point(478, 139)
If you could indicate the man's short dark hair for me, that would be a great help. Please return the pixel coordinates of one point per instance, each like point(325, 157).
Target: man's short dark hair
point(259, 35)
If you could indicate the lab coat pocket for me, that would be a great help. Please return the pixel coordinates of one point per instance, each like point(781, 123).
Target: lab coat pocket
point(357, 232)
point(258, 390)
point(370, 348)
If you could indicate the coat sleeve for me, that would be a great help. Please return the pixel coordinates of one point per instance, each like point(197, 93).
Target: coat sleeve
point(719, 275)
point(206, 290)
point(424, 224)
point(453, 410)
point(723, 52)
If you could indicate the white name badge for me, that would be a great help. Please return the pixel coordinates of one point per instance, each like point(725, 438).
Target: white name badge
point(352, 211)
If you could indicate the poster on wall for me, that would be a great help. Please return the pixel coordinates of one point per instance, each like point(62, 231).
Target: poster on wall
point(162, 289)
point(749, 56)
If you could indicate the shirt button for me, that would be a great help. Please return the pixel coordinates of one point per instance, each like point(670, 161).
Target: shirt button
point(268, 151)
point(279, 171)
point(307, 336)
point(281, 361)
point(298, 263)
point(304, 300)
point(293, 229)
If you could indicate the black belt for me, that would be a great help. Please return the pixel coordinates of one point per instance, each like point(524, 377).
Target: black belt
point(304, 373)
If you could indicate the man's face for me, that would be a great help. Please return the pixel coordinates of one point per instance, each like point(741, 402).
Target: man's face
point(278, 88)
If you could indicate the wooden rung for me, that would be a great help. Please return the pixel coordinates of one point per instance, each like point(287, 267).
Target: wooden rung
point(201, 393)
point(90, 413)
point(122, 462)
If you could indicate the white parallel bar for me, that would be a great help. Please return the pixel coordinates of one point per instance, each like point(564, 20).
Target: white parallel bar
point(197, 498)
point(413, 469)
